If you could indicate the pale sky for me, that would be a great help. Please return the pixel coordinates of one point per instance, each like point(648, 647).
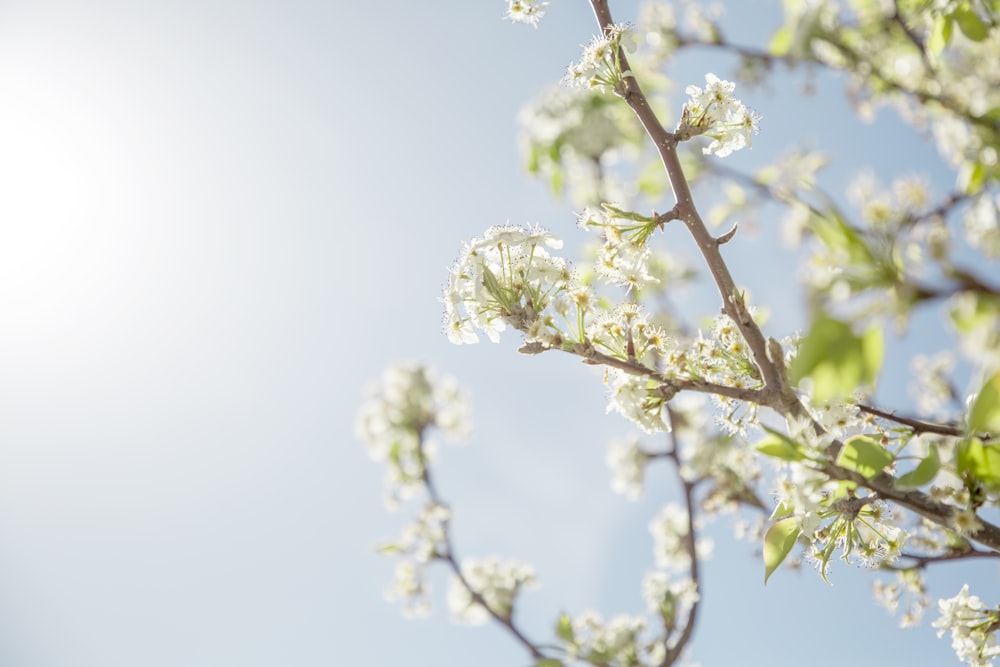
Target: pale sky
point(218, 222)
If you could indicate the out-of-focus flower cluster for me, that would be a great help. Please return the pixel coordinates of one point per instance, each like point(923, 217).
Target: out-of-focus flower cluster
point(421, 542)
point(670, 595)
point(907, 587)
point(495, 582)
point(619, 642)
point(394, 422)
point(571, 137)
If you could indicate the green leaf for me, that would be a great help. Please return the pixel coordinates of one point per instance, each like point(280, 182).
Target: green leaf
point(781, 41)
point(549, 662)
point(971, 177)
point(837, 360)
point(780, 446)
point(564, 628)
point(940, 35)
point(778, 543)
point(864, 456)
point(837, 235)
point(924, 473)
point(984, 416)
point(980, 461)
point(970, 24)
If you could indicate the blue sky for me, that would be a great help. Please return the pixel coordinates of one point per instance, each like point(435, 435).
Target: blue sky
point(218, 222)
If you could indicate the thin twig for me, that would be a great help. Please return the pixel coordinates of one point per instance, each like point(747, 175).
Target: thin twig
point(917, 425)
point(690, 543)
point(921, 562)
point(449, 558)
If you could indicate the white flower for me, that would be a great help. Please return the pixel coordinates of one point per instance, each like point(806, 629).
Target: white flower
point(628, 463)
point(667, 597)
point(714, 112)
point(982, 225)
point(409, 587)
point(633, 398)
point(615, 641)
point(669, 529)
point(624, 262)
point(496, 582)
point(525, 11)
point(393, 423)
point(599, 67)
point(972, 626)
point(505, 277)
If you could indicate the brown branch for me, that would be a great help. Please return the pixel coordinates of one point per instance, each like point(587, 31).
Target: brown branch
point(776, 394)
point(672, 384)
point(917, 425)
point(449, 558)
point(732, 302)
point(921, 562)
point(690, 543)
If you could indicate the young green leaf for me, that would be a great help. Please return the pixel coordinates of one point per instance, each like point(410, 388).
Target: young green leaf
point(549, 662)
point(940, 35)
point(780, 446)
point(980, 461)
point(564, 628)
point(781, 41)
point(864, 456)
point(984, 416)
point(970, 24)
point(924, 473)
point(778, 543)
point(837, 360)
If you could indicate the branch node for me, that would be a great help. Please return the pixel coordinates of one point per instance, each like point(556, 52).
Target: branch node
point(728, 236)
point(663, 218)
point(533, 347)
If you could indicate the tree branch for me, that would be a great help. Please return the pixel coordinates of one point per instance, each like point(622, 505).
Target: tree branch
point(690, 543)
point(732, 301)
point(449, 558)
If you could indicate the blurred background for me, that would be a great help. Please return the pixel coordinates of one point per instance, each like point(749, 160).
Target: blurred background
point(219, 221)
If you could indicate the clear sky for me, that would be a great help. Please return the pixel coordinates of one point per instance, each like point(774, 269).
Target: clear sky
point(218, 221)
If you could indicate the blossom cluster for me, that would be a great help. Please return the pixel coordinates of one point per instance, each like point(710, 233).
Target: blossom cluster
point(491, 582)
point(625, 257)
point(715, 113)
point(973, 628)
point(601, 67)
point(627, 460)
point(569, 136)
point(641, 400)
point(909, 586)
point(525, 11)
point(508, 276)
point(982, 225)
point(393, 424)
point(615, 642)
point(422, 541)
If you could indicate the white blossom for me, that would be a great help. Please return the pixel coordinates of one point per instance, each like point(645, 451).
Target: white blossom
point(972, 626)
point(637, 399)
point(714, 112)
point(495, 581)
point(525, 11)
point(393, 424)
point(627, 461)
